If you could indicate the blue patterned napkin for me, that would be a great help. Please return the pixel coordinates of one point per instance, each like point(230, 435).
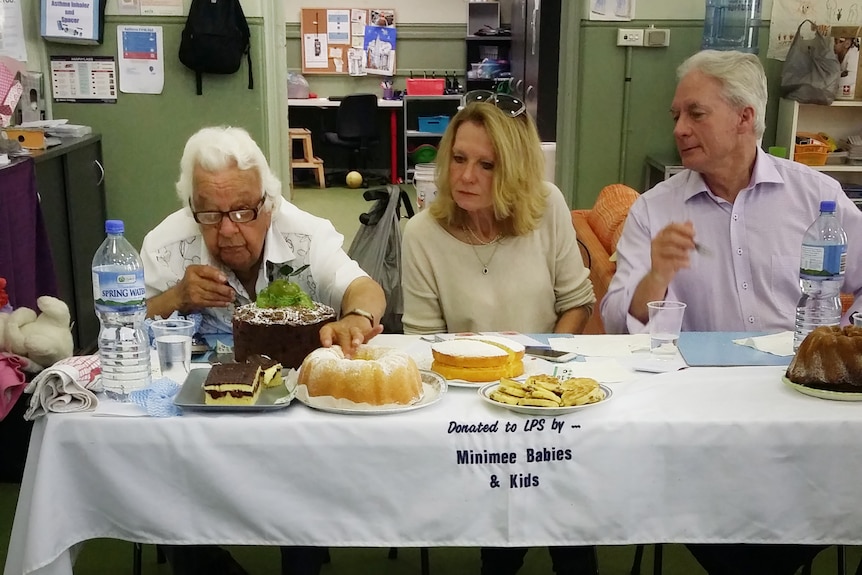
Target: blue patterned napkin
point(158, 399)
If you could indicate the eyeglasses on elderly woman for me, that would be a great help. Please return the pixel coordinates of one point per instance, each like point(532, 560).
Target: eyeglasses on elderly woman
point(212, 218)
point(511, 105)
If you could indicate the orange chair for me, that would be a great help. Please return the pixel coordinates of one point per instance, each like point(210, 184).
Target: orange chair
point(598, 231)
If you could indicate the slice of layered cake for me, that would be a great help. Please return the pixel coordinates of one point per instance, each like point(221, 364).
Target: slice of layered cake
point(270, 369)
point(232, 384)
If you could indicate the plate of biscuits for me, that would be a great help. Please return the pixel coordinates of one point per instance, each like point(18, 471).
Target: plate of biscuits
point(543, 394)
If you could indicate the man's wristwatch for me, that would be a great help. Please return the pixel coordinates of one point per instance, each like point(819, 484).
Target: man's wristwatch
point(361, 312)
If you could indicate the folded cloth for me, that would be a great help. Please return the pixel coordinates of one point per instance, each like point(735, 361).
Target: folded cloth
point(777, 343)
point(68, 385)
point(12, 380)
point(158, 399)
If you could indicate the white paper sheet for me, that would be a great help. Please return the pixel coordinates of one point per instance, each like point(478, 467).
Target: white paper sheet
point(12, 42)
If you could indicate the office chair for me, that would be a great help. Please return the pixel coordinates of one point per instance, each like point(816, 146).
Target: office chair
point(356, 129)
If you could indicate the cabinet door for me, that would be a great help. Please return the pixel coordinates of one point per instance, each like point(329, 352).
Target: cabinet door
point(519, 46)
point(86, 204)
point(543, 65)
point(51, 186)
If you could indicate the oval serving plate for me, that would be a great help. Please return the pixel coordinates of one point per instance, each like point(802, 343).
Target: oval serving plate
point(434, 385)
point(823, 393)
point(485, 394)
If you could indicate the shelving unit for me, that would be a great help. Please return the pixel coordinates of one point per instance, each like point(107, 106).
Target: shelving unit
point(481, 14)
point(479, 48)
point(415, 106)
point(840, 120)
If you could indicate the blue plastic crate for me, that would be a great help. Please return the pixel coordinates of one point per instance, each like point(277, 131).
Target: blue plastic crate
point(433, 124)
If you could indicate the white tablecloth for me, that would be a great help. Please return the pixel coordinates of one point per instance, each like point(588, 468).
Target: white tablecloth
point(699, 455)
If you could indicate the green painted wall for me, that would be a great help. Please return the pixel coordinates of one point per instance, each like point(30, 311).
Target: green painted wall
point(143, 135)
point(653, 81)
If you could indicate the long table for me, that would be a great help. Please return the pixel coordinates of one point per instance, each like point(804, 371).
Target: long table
point(699, 455)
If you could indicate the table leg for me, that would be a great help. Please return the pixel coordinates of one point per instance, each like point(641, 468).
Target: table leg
point(393, 146)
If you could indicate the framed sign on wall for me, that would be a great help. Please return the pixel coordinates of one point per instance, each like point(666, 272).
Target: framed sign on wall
point(73, 22)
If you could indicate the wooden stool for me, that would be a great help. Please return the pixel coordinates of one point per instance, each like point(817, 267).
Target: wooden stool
point(308, 159)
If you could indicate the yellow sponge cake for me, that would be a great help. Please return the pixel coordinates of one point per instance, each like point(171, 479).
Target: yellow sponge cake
point(478, 358)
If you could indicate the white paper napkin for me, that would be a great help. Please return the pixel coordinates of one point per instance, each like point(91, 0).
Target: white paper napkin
point(777, 343)
point(601, 345)
point(603, 370)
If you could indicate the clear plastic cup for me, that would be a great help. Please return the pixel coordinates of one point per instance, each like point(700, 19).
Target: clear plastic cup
point(174, 347)
point(665, 323)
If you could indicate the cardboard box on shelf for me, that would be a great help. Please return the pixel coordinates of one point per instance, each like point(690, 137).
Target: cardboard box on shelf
point(847, 40)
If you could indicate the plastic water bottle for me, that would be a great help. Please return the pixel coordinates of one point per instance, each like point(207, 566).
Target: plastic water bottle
point(120, 301)
point(731, 25)
point(821, 273)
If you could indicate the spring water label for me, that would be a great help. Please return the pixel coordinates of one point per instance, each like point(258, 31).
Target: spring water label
point(820, 262)
point(119, 289)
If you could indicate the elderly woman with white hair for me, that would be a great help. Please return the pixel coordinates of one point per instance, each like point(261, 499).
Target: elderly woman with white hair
point(234, 234)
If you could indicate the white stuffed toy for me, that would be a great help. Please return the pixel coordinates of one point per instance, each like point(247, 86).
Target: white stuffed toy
point(44, 339)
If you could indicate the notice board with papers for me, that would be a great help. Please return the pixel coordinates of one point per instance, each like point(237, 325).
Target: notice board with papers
point(355, 41)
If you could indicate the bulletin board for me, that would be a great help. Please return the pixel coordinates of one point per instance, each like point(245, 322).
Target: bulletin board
point(349, 41)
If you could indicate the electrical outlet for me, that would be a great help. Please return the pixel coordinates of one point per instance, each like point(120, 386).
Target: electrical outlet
point(656, 37)
point(630, 37)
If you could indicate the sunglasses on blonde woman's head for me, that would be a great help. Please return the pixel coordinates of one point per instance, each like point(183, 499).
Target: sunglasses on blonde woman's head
point(511, 105)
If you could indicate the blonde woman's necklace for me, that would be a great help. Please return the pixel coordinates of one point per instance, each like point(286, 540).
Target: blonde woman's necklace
point(468, 230)
point(484, 263)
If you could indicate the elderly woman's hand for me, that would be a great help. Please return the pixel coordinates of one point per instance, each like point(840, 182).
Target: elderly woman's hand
point(201, 287)
point(349, 332)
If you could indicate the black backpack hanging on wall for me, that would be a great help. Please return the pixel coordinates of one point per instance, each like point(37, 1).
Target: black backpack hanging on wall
point(215, 39)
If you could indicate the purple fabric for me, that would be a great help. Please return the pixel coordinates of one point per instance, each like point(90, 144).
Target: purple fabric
point(25, 253)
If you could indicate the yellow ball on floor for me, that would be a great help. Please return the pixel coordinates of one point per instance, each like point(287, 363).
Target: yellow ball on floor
point(354, 179)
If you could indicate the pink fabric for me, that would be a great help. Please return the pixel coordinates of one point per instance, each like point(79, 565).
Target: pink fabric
point(12, 382)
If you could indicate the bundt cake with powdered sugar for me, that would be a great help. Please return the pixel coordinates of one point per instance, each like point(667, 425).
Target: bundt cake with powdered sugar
point(374, 375)
point(829, 358)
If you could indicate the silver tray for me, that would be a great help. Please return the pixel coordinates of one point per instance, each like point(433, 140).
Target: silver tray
point(191, 396)
point(434, 387)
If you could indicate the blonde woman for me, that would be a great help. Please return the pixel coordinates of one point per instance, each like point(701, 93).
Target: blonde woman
point(496, 249)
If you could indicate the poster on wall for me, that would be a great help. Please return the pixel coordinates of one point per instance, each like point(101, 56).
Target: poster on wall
point(73, 21)
point(140, 53)
point(788, 14)
point(380, 50)
point(84, 79)
point(619, 10)
point(314, 50)
point(338, 26)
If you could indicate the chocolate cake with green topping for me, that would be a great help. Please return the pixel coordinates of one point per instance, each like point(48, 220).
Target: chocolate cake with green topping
point(284, 324)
